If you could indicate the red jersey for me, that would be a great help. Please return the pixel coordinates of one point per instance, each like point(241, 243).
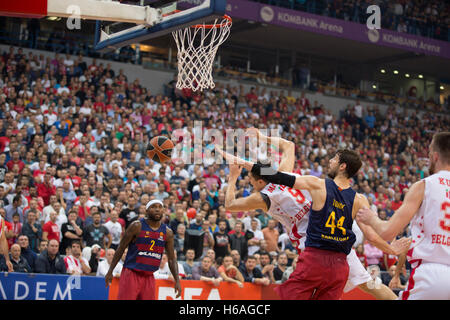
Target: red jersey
point(8, 227)
point(52, 229)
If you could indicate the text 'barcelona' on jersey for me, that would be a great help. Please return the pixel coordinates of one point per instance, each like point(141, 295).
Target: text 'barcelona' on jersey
point(331, 227)
point(146, 252)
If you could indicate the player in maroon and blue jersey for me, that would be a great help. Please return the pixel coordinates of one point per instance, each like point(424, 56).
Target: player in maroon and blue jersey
point(146, 240)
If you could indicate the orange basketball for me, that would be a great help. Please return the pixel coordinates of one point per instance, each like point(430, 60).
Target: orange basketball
point(160, 149)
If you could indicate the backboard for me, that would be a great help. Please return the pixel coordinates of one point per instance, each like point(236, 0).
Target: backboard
point(159, 18)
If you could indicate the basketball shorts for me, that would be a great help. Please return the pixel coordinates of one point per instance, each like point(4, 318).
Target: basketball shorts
point(319, 275)
point(427, 281)
point(357, 273)
point(135, 285)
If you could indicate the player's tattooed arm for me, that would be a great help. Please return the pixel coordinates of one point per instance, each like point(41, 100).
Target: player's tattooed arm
point(130, 234)
point(173, 264)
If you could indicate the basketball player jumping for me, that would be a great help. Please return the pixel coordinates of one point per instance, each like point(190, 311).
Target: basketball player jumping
point(427, 207)
point(292, 208)
point(146, 240)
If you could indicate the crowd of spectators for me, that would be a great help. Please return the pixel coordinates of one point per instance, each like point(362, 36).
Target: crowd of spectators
point(74, 171)
point(419, 17)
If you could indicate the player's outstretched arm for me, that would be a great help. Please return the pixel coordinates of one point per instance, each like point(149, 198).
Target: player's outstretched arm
point(252, 202)
point(130, 234)
point(286, 147)
point(400, 219)
point(173, 264)
point(396, 247)
point(310, 183)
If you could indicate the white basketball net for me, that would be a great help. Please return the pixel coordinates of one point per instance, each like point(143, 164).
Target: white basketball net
point(197, 48)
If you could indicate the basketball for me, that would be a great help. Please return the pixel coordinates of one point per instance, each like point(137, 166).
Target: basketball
point(160, 149)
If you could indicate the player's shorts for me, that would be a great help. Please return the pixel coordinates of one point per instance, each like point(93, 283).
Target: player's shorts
point(427, 281)
point(135, 285)
point(357, 273)
point(319, 275)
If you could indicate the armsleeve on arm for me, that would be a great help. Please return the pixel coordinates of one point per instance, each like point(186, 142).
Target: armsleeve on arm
point(273, 176)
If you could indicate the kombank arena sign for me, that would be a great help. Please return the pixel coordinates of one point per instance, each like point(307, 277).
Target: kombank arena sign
point(299, 20)
point(339, 28)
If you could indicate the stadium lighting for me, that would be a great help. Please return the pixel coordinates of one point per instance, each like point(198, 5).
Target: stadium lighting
point(407, 75)
point(420, 76)
point(374, 86)
point(441, 87)
point(395, 71)
point(383, 71)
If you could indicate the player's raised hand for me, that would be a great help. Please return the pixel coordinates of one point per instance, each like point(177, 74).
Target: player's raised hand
point(401, 245)
point(365, 215)
point(235, 170)
point(253, 132)
point(395, 282)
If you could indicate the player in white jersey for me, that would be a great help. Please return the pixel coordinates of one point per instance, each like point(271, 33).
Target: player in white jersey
point(427, 207)
point(291, 207)
point(4, 245)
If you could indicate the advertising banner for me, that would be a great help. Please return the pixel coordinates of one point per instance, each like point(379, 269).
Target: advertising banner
point(24, 286)
point(300, 20)
point(200, 290)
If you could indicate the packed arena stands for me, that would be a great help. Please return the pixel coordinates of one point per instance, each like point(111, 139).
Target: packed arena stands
point(73, 163)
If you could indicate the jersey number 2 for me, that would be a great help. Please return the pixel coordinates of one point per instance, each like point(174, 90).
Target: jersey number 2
point(152, 244)
point(331, 223)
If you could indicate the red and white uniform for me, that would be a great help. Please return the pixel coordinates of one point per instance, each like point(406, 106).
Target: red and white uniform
point(291, 207)
point(429, 255)
point(74, 264)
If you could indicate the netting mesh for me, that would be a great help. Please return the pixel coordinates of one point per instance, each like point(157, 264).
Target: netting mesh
point(197, 48)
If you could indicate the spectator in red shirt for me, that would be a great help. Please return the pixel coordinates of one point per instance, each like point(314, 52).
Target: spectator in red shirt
point(46, 189)
point(211, 178)
point(50, 230)
point(251, 96)
point(39, 173)
point(84, 211)
point(15, 160)
point(9, 233)
point(397, 202)
point(76, 180)
point(5, 140)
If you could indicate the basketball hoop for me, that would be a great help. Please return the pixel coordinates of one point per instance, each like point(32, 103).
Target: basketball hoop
point(197, 47)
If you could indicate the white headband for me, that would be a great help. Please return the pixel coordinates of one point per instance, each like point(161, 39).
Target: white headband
point(152, 202)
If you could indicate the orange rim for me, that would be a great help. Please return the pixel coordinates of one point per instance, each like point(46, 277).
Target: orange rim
point(219, 25)
point(206, 26)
